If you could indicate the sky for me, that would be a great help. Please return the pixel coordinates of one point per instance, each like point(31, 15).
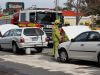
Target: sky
point(38, 3)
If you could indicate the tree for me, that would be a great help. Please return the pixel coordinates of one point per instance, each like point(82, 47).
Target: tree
point(93, 6)
point(78, 6)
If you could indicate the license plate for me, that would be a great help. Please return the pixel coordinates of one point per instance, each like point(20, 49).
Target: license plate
point(49, 26)
point(34, 38)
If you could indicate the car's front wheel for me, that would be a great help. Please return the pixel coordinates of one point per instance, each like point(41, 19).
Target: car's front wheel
point(63, 56)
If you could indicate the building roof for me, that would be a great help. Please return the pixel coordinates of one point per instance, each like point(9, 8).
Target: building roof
point(70, 13)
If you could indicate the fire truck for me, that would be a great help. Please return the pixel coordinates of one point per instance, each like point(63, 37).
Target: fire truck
point(44, 18)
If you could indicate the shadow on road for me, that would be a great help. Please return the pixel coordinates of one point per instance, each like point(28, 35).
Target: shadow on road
point(90, 64)
point(10, 52)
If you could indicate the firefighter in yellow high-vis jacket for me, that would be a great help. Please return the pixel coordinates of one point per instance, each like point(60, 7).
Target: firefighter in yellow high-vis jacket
point(55, 36)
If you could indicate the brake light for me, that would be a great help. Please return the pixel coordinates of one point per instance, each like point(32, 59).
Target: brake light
point(22, 40)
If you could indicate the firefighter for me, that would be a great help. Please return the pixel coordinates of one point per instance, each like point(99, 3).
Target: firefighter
point(55, 36)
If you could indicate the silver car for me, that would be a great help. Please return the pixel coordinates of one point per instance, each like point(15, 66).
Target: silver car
point(25, 38)
point(86, 46)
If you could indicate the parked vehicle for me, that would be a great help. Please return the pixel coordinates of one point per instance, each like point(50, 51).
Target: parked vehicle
point(25, 38)
point(85, 46)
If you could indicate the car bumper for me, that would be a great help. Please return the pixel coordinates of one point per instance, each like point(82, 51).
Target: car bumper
point(32, 45)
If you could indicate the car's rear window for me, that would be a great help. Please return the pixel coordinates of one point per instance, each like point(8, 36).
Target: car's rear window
point(33, 32)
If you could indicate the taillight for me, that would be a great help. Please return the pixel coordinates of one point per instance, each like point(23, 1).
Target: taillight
point(46, 39)
point(22, 40)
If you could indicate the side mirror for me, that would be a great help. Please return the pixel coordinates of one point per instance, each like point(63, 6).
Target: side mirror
point(72, 40)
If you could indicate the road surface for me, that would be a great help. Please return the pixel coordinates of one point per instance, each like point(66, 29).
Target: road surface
point(43, 64)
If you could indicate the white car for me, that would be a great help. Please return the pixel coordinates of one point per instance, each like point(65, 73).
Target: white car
point(25, 38)
point(86, 46)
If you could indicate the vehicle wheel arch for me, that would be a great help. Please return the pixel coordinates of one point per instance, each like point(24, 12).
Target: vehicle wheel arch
point(66, 57)
point(62, 48)
point(13, 42)
point(98, 55)
point(98, 58)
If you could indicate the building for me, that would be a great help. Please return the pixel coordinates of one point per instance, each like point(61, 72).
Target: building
point(13, 7)
point(70, 17)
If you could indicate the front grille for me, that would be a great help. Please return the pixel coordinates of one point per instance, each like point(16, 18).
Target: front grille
point(48, 31)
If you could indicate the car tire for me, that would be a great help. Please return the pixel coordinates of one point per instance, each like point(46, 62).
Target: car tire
point(0, 48)
point(99, 59)
point(39, 49)
point(15, 48)
point(63, 56)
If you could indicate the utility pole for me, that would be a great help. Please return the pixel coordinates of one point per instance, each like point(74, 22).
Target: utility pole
point(56, 7)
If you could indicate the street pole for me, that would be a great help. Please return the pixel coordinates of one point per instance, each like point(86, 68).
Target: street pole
point(56, 7)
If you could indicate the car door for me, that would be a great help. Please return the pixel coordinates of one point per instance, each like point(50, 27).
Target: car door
point(9, 39)
point(6, 39)
point(3, 40)
point(92, 46)
point(77, 48)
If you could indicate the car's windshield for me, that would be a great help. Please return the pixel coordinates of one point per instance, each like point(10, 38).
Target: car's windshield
point(33, 32)
point(46, 18)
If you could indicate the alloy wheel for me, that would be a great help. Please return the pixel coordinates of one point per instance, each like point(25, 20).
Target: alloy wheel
point(63, 56)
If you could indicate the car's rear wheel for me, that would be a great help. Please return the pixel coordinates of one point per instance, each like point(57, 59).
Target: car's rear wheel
point(15, 48)
point(39, 49)
point(0, 48)
point(63, 56)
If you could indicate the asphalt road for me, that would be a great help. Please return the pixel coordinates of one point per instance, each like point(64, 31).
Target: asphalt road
point(43, 64)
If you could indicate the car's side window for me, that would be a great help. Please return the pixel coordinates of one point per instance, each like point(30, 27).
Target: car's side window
point(82, 37)
point(17, 32)
point(11, 33)
point(94, 36)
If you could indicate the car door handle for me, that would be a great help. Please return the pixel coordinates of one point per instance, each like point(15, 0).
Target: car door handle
point(82, 44)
